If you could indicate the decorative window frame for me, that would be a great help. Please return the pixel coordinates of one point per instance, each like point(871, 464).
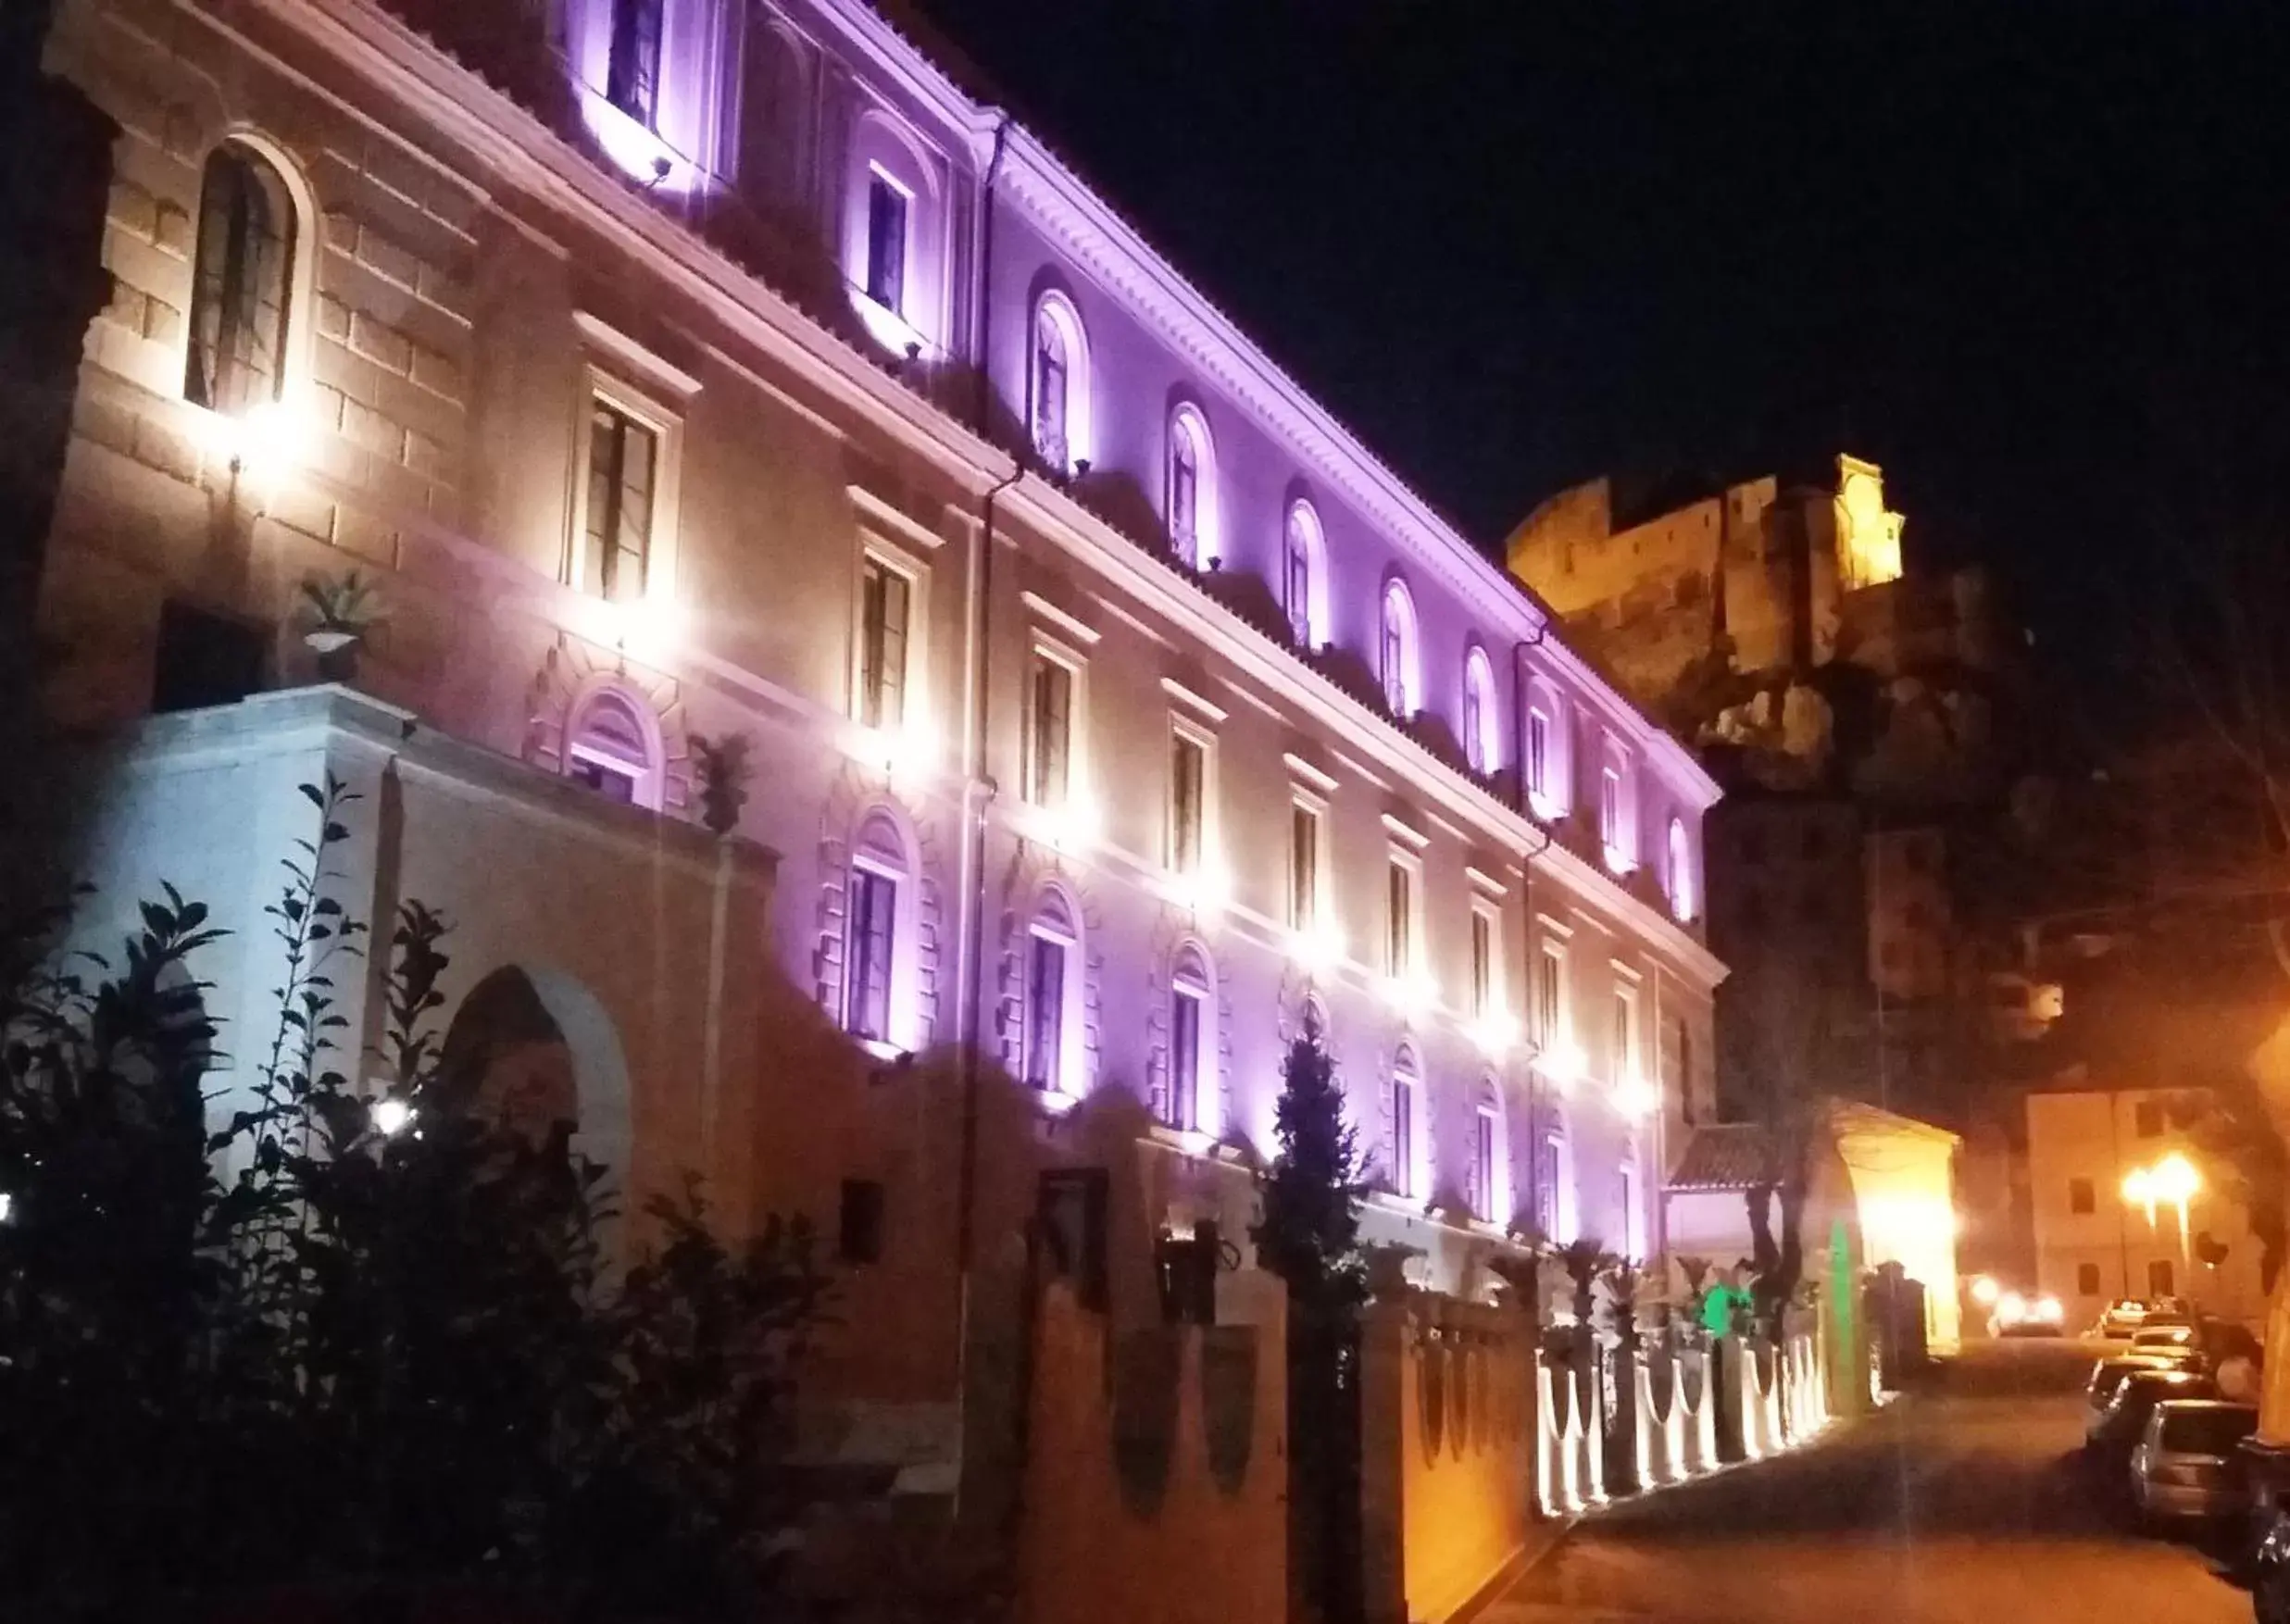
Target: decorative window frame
point(1203, 988)
point(1483, 744)
point(1188, 423)
point(915, 569)
point(1070, 933)
point(1627, 1068)
point(882, 144)
point(296, 362)
point(1042, 645)
point(1402, 687)
point(1182, 724)
point(649, 407)
point(1565, 1211)
point(1313, 916)
point(1488, 909)
point(1057, 305)
point(1553, 797)
point(1619, 844)
point(1558, 1054)
point(1495, 1204)
point(1411, 1184)
point(1679, 877)
point(1301, 519)
point(1636, 1236)
point(1409, 976)
point(904, 869)
point(648, 777)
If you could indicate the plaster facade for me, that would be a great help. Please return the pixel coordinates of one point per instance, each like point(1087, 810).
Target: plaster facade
point(501, 279)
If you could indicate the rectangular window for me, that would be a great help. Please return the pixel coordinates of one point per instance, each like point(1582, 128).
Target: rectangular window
point(1184, 1057)
point(2146, 1119)
point(1550, 997)
point(1050, 734)
point(1183, 486)
point(858, 1232)
point(1610, 808)
point(623, 469)
point(1686, 1071)
point(1299, 596)
point(1403, 1136)
point(2086, 1280)
point(632, 68)
point(1188, 792)
point(1482, 962)
point(2082, 1197)
point(1538, 753)
point(1548, 1166)
point(607, 780)
point(886, 242)
point(1303, 866)
point(1399, 923)
point(1045, 1011)
point(884, 596)
point(1625, 1051)
point(204, 659)
point(1483, 1166)
point(866, 987)
point(2158, 1278)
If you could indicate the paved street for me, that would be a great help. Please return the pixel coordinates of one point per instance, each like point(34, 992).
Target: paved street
point(1962, 1503)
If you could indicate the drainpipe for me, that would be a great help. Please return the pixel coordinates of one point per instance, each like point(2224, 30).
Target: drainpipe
point(1519, 702)
point(978, 796)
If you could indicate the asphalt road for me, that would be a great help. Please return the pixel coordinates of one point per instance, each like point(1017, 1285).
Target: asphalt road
point(1963, 1504)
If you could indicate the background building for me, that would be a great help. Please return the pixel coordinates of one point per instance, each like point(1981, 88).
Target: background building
point(2095, 1242)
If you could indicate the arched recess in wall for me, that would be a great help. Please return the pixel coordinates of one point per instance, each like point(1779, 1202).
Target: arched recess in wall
point(1546, 766)
point(1059, 388)
point(1190, 489)
point(1400, 649)
point(1678, 859)
point(894, 232)
point(530, 1047)
point(774, 112)
point(613, 745)
point(1482, 725)
point(1304, 573)
point(246, 335)
point(572, 677)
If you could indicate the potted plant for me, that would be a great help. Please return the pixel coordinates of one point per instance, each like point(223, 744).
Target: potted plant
point(723, 768)
point(344, 610)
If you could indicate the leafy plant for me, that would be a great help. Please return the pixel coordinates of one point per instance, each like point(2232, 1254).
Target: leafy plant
point(363, 1361)
point(350, 604)
point(723, 770)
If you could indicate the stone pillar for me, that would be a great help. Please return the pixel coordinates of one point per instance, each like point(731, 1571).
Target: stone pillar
point(1384, 1330)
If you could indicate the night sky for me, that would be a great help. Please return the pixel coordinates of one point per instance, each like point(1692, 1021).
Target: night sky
point(2029, 259)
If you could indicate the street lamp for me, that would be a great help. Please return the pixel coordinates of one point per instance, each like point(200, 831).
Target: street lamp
point(2170, 1182)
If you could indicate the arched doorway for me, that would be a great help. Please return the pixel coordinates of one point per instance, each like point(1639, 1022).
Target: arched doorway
point(534, 1047)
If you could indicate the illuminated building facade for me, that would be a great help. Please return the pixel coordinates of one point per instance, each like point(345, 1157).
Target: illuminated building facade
point(679, 369)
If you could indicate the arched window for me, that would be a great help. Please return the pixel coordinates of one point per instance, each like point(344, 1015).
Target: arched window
point(1490, 1191)
point(1051, 1049)
point(612, 746)
point(1396, 664)
point(1680, 865)
point(1059, 383)
point(1407, 1173)
point(1617, 809)
point(242, 289)
point(1303, 573)
point(1189, 1103)
point(1544, 741)
point(1190, 501)
point(877, 900)
point(892, 234)
point(1483, 733)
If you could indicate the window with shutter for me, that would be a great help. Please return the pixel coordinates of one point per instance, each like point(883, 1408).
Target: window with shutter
point(867, 993)
point(886, 242)
point(623, 466)
point(242, 282)
point(885, 595)
point(632, 67)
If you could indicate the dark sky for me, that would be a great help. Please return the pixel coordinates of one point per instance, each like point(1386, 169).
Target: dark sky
point(2029, 259)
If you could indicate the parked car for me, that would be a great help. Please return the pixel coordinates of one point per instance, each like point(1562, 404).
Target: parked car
point(2106, 1377)
point(2119, 1320)
point(2015, 1314)
point(2188, 1466)
point(2116, 1430)
point(2174, 1341)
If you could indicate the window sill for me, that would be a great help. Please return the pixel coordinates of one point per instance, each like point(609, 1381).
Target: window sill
point(887, 327)
point(1053, 1102)
point(883, 1049)
point(1189, 1142)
